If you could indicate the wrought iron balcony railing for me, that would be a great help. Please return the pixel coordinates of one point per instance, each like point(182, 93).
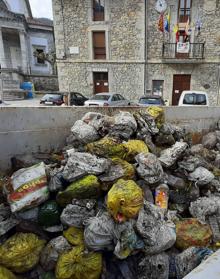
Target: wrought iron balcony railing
point(183, 51)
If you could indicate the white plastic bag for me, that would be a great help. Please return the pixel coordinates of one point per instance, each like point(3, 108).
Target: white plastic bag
point(29, 188)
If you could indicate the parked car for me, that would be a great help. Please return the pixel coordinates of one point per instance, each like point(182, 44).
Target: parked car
point(107, 99)
point(193, 98)
point(77, 99)
point(145, 101)
point(52, 99)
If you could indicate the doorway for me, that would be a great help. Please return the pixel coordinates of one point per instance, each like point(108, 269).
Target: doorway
point(100, 81)
point(180, 83)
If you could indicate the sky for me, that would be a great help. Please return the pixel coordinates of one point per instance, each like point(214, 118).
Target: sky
point(41, 8)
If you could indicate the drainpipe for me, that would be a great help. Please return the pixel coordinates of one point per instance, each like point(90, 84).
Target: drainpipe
point(64, 31)
point(218, 85)
point(145, 46)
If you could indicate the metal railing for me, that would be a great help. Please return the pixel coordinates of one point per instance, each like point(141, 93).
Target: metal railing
point(195, 51)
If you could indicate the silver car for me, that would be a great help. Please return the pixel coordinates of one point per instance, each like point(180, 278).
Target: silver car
point(107, 99)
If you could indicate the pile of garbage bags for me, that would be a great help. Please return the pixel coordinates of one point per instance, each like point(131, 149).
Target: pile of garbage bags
point(129, 197)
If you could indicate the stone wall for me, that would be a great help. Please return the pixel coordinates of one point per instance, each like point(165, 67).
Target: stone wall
point(125, 42)
point(201, 75)
point(126, 79)
point(44, 83)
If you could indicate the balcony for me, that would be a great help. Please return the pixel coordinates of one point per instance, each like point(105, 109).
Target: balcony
point(183, 53)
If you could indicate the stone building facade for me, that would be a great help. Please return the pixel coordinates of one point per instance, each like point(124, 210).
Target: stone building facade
point(20, 36)
point(139, 59)
point(122, 70)
point(196, 70)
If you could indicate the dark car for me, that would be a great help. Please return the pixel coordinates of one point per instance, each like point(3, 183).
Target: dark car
point(52, 99)
point(77, 99)
point(151, 101)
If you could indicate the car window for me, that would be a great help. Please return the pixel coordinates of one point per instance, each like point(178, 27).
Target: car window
point(79, 96)
point(150, 101)
point(120, 97)
point(115, 98)
point(194, 99)
point(100, 97)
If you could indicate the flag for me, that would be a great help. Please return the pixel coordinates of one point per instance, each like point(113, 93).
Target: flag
point(176, 28)
point(161, 23)
point(167, 23)
point(187, 27)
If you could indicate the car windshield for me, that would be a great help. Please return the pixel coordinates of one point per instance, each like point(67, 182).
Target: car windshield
point(51, 96)
point(150, 101)
point(194, 99)
point(100, 97)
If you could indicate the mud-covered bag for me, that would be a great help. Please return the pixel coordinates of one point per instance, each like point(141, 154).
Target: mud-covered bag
point(157, 234)
point(77, 213)
point(119, 169)
point(99, 233)
point(158, 114)
point(201, 176)
point(124, 125)
point(154, 267)
point(170, 155)
point(29, 188)
point(6, 273)
point(83, 132)
point(85, 188)
point(20, 253)
point(124, 200)
point(190, 232)
point(51, 252)
point(149, 167)
point(80, 164)
point(189, 259)
point(78, 264)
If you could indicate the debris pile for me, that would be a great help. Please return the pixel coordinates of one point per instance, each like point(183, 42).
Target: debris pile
point(129, 197)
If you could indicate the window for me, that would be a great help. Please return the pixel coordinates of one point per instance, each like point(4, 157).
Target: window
point(98, 10)
point(115, 98)
point(194, 99)
point(99, 48)
point(158, 87)
point(39, 60)
point(184, 10)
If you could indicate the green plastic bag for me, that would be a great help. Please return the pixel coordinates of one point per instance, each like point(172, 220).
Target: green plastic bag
point(49, 214)
point(85, 188)
point(21, 252)
point(6, 274)
point(124, 200)
point(77, 264)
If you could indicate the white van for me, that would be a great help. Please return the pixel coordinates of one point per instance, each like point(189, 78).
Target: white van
point(193, 98)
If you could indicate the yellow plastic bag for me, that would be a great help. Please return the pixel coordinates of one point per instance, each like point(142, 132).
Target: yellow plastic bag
point(77, 264)
point(74, 236)
point(87, 187)
point(134, 147)
point(158, 114)
point(6, 274)
point(107, 147)
point(129, 171)
point(124, 200)
point(21, 252)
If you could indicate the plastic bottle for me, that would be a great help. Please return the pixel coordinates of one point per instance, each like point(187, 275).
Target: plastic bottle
point(162, 196)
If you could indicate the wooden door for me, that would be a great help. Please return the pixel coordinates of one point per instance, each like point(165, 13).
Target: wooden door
point(180, 83)
point(100, 82)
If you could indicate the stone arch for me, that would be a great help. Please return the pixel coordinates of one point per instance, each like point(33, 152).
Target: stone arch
point(4, 4)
